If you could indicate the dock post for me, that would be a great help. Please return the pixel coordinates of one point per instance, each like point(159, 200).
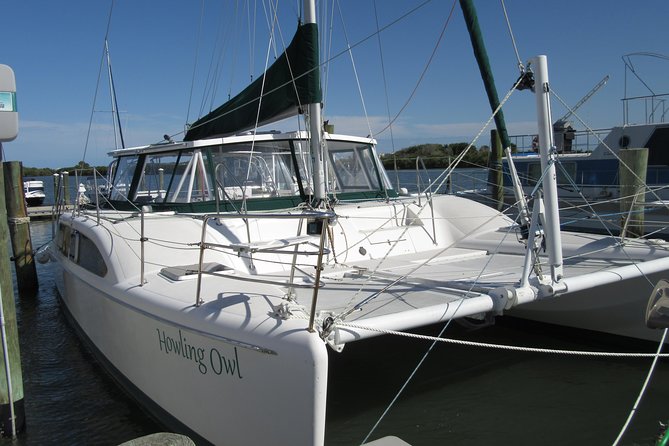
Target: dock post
point(66, 188)
point(56, 193)
point(632, 172)
point(19, 228)
point(12, 411)
point(495, 177)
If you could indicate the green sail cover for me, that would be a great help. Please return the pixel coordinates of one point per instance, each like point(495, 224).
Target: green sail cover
point(291, 82)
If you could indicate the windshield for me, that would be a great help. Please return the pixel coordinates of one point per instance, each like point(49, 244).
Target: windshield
point(248, 170)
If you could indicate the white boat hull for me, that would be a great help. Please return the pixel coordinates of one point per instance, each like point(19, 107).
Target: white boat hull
point(617, 309)
point(246, 353)
point(202, 382)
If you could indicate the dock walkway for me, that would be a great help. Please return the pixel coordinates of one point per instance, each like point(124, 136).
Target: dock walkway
point(42, 212)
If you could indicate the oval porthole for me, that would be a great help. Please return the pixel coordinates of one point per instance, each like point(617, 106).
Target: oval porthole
point(624, 142)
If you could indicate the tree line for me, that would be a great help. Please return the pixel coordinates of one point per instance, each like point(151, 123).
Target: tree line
point(436, 156)
point(83, 167)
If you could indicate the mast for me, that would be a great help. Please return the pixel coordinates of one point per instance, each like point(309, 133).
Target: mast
point(315, 124)
point(481, 54)
point(114, 104)
point(547, 152)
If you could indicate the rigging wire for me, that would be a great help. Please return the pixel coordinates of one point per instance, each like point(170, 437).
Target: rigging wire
point(233, 64)
point(429, 62)
point(446, 174)
point(211, 73)
point(326, 52)
point(271, 17)
point(252, 41)
point(591, 131)
point(644, 387)
point(385, 90)
point(216, 78)
point(114, 103)
point(355, 71)
point(446, 325)
point(521, 67)
point(449, 170)
point(335, 56)
point(97, 84)
point(197, 53)
point(271, 44)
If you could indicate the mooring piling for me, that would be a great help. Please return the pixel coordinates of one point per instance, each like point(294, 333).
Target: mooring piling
point(495, 177)
point(632, 171)
point(12, 412)
point(19, 228)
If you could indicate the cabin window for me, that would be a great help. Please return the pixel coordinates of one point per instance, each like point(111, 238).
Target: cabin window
point(263, 169)
point(125, 169)
point(351, 167)
point(189, 182)
point(157, 174)
point(89, 257)
point(657, 144)
point(81, 250)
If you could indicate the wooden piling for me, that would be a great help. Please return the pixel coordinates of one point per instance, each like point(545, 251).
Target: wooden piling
point(19, 229)
point(11, 395)
point(632, 173)
point(56, 185)
point(66, 187)
point(495, 177)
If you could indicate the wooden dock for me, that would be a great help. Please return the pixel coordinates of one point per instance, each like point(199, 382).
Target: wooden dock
point(42, 212)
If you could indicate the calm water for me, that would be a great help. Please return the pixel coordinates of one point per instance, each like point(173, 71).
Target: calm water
point(461, 395)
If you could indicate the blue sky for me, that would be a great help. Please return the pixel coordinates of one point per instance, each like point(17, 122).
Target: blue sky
point(55, 49)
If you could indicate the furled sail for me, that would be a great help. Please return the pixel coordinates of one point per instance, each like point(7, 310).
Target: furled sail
point(290, 83)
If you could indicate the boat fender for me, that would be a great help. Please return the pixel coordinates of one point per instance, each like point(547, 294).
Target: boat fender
point(42, 254)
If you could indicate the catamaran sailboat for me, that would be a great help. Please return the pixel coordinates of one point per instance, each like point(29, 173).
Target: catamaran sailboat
point(217, 271)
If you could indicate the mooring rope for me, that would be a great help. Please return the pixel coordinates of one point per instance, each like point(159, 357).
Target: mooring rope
point(504, 346)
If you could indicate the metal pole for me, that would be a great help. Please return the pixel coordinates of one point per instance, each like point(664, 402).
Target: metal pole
point(315, 124)
point(97, 196)
point(199, 301)
point(547, 152)
point(142, 239)
point(319, 268)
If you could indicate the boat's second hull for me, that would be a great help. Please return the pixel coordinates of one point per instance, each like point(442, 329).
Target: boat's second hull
point(617, 309)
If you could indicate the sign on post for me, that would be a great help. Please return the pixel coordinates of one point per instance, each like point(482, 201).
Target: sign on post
point(9, 115)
